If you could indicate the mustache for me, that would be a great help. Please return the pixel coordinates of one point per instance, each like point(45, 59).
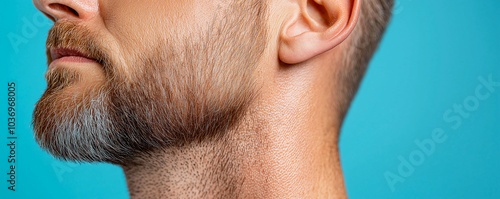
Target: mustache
point(67, 35)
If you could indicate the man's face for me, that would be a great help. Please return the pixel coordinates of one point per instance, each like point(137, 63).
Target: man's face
point(127, 77)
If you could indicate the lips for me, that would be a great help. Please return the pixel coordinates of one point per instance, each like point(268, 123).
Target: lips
point(70, 55)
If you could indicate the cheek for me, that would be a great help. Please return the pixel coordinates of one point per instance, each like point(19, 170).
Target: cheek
point(140, 23)
point(135, 21)
point(136, 26)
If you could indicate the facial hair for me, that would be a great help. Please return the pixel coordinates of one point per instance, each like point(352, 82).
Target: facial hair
point(189, 91)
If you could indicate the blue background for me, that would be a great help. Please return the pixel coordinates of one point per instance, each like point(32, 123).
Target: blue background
point(431, 58)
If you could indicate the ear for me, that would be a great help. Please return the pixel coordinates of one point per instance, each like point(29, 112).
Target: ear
point(317, 27)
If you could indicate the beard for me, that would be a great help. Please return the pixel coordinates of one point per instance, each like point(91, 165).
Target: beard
point(180, 92)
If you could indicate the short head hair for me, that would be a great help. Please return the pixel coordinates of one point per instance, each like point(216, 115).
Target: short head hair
point(361, 45)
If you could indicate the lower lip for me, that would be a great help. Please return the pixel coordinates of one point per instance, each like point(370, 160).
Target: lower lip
point(74, 59)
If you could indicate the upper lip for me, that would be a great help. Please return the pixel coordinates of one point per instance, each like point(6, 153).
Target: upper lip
point(56, 53)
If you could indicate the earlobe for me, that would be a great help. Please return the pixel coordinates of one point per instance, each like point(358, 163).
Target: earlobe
point(319, 26)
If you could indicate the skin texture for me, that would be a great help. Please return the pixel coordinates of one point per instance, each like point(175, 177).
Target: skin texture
point(176, 92)
point(201, 99)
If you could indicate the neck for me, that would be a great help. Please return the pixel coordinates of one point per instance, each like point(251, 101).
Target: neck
point(279, 150)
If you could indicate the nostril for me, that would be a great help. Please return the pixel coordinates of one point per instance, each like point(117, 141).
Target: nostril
point(49, 16)
point(63, 8)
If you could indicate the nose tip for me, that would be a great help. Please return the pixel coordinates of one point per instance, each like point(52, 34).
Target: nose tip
point(67, 9)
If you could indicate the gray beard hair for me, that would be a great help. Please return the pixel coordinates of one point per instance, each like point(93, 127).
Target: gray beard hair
point(194, 94)
point(86, 132)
